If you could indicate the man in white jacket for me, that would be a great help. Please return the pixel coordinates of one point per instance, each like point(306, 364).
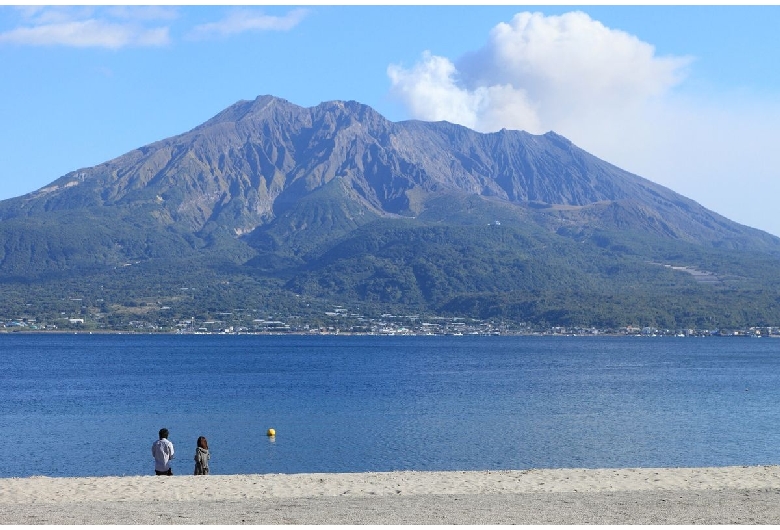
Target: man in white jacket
point(162, 451)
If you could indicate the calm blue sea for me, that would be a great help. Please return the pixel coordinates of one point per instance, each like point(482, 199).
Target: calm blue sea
point(91, 405)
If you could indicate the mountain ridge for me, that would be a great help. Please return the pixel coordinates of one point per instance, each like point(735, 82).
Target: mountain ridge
point(252, 131)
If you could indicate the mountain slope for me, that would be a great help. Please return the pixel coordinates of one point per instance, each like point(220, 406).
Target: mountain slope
point(338, 203)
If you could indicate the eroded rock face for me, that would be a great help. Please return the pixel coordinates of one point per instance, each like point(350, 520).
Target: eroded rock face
point(244, 167)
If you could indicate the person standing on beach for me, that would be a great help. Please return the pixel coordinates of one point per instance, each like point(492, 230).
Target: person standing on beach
point(162, 451)
point(202, 456)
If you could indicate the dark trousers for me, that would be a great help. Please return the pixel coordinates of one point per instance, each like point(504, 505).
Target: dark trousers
point(169, 472)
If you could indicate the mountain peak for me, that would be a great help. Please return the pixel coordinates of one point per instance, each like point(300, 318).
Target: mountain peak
point(244, 108)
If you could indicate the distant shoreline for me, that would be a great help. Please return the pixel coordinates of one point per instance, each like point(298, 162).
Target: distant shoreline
point(713, 495)
point(356, 334)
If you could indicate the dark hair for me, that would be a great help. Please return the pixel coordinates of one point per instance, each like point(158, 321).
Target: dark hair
point(202, 442)
point(163, 433)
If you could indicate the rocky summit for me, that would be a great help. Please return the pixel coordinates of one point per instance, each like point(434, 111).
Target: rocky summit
point(276, 210)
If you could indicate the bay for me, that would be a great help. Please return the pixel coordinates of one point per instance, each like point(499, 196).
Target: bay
point(91, 405)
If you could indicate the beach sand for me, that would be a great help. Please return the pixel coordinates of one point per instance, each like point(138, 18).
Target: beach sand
point(729, 495)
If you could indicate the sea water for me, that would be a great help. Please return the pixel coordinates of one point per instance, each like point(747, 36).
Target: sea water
point(91, 405)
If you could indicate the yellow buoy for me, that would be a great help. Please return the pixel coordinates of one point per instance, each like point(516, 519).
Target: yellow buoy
point(271, 432)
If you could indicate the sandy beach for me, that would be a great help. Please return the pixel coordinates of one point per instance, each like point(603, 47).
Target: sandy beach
point(729, 495)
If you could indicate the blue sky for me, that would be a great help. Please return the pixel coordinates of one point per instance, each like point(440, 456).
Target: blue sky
point(688, 97)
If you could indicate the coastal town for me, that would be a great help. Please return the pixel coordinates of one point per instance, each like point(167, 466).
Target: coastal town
point(341, 321)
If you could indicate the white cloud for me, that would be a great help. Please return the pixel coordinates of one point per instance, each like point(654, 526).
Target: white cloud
point(85, 34)
point(141, 12)
point(537, 73)
point(242, 20)
point(82, 28)
point(431, 92)
point(612, 95)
